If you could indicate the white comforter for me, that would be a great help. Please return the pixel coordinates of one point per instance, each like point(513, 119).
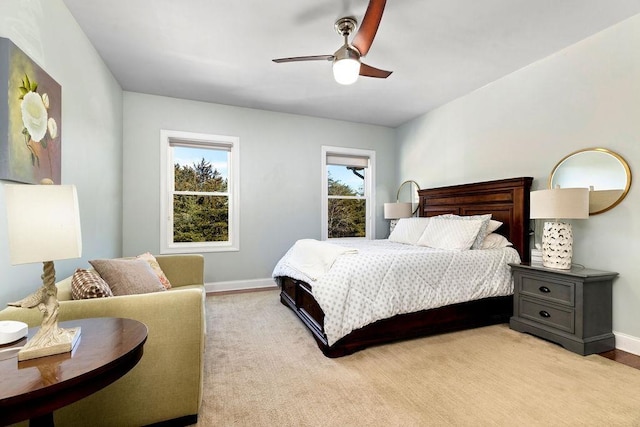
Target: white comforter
point(385, 278)
point(314, 258)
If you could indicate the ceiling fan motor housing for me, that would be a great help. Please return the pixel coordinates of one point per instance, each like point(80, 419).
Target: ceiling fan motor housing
point(346, 26)
point(346, 52)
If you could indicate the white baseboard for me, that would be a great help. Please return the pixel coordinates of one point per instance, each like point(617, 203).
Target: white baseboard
point(239, 285)
point(627, 343)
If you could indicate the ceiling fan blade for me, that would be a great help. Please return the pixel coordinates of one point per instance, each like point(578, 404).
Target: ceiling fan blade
point(305, 58)
point(367, 32)
point(369, 71)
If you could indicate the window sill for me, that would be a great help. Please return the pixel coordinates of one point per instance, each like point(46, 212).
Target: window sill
point(198, 249)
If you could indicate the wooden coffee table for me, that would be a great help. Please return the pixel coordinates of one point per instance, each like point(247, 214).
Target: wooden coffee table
point(33, 389)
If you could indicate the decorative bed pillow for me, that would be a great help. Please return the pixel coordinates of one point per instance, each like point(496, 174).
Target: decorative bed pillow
point(493, 226)
point(128, 276)
point(88, 284)
point(482, 233)
point(448, 233)
point(408, 230)
point(153, 262)
point(495, 241)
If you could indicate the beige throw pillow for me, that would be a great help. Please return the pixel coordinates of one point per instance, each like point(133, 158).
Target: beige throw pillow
point(128, 276)
point(153, 262)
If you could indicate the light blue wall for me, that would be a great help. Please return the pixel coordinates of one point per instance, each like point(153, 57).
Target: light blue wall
point(91, 134)
point(584, 96)
point(587, 95)
point(280, 176)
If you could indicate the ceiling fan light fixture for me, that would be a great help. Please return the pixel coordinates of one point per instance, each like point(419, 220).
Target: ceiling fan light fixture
point(346, 60)
point(346, 66)
point(345, 71)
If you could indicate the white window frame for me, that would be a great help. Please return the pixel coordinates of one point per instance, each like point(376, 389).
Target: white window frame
point(232, 143)
point(369, 188)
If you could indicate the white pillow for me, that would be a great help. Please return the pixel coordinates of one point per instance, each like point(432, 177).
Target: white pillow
point(495, 241)
point(408, 230)
point(447, 233)
point(493, 226)
point(482, 233)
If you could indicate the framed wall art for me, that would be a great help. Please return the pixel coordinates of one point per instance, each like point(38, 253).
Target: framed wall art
point(30, 119)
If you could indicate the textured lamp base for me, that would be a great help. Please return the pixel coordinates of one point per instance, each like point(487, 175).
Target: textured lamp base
point(557, 245)
point(50, 339)
point(53, 341)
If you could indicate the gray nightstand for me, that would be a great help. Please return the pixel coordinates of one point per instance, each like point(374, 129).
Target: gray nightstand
point(569, 307)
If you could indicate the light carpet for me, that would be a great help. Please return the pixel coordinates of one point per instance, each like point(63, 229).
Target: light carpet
point(263, 368)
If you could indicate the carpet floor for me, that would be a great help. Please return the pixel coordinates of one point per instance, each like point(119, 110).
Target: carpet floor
point(263, 368)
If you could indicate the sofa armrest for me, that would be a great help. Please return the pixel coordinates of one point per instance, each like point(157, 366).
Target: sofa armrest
point(182, 270)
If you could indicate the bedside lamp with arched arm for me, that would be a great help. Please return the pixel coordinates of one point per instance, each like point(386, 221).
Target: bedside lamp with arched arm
point(398, 210)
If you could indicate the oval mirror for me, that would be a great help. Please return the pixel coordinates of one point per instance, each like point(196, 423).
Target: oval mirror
point(605, 173)
point(408, 192)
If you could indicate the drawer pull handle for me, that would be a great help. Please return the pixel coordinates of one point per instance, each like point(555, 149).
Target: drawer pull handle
point(544, 289)
point(545, 314)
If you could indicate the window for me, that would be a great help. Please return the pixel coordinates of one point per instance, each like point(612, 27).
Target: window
point(199, 192)
point(348, 180)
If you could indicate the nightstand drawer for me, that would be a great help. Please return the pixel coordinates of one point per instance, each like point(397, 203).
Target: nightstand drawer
point(557, 317)
point(557, 291)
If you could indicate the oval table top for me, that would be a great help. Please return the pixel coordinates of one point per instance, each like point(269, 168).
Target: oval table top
point(108, 348)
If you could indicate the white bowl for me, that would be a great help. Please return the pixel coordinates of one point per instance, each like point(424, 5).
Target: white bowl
point(12, 330)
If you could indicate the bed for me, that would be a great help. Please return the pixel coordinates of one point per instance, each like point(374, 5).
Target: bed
point(506, 200)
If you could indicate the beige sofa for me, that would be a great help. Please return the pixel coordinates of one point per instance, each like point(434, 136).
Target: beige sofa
point(166, 385)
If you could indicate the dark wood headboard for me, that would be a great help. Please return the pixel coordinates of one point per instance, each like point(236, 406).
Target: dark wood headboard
point(507, 200)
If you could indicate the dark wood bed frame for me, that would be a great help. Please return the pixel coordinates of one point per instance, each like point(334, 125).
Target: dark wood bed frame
point(507, 200)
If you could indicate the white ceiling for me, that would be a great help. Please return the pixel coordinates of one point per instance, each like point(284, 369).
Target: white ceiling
point(220, 51)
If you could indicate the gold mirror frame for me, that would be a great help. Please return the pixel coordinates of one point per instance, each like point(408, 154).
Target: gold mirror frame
point(604, 151)
point(415, 201)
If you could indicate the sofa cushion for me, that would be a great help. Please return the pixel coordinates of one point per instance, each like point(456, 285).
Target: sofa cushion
point(88, 284)
point(128, 276)
point(147, 256)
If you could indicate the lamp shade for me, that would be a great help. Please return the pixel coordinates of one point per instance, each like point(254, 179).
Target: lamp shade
point(569, 203)
point(43, 223)
point(397, 210)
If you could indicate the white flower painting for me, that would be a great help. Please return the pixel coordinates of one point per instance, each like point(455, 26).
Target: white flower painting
point(31, 151)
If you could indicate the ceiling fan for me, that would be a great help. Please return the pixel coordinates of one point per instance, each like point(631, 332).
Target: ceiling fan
point(347, 63)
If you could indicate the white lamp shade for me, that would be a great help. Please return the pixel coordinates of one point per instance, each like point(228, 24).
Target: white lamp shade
point(43, 223)
point(569, 203)
point(397, 210)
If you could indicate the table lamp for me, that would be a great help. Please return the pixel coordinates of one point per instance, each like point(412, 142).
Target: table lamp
point(395, 211)
point(557, 237)
point(43, 226)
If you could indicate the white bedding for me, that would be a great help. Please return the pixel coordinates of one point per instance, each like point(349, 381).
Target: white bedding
point(314, 258)
point(386, 278)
